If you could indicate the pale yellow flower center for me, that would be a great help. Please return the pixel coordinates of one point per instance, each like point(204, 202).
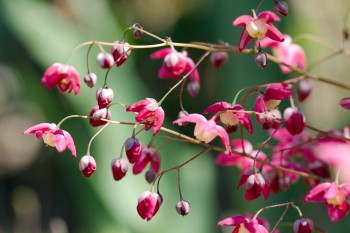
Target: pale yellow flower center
point(337, 200)
point(228, 118)
point(272, 104)
point(203, 134)
point(48, 139)
point(242, 229)
point(257, 28)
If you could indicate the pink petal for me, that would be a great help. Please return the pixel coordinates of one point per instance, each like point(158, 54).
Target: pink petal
point(244, 40)
point(267, 42)
point(337, 212)
point(70, 143)
point(194, 118)
point(142, 161)
point(345, 103)
point(160, 53)
point(224, 138)
point(242, 20)
point(227, 160)
point(243, 118)
point(274, 33)
point(194, 75)
point(269, 16)
point(217, 107)
point(159, 119)
point(40, 129)
point(231, 221)
point(317, 193)
point(136, 107)
point(60, 141)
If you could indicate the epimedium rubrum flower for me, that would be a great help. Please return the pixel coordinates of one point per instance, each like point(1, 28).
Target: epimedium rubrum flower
point(258, 27)
point(230, 115)
point(206, 130)
point(87, 165)
point(294, 120)
point(65, 77)
point(53, 136)
point(243, 224)
point(149, 112)
point(147, 155)
point(334, 196)
point(148, 204)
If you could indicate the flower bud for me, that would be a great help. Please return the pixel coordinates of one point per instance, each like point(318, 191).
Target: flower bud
point(294, 120)
point(303, 225)
point(150, 175)
point(105, 60)
point(319, 168)
point(218, 58)
point(304, 89)
point(255, 186)
point(183, 208)
point(261, 59)
point(193, 88)
point(120, 53)
point(90, 79)
point(137, 32)
point(119, 168)
point(87, 165)
point(104, 96)
point(97, 114)
point(148, 204)
point(281, 8)
point(132, 149)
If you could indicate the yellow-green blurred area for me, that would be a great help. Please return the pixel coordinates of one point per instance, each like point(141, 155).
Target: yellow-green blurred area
point(42, 190)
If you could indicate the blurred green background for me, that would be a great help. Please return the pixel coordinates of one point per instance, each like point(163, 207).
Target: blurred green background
point(43, 191)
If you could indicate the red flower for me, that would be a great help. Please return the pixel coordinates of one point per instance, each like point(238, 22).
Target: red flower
point(147, 155)
point(87, 165)
point(258, 27)
point(148, 204)
point(64, 76)
point(53, 136)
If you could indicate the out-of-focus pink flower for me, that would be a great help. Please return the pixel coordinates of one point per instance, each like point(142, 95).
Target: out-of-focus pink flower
point(286, 52)
point(345, 103)
point(65, 77)
point(243, 224)
point(149, 112)
point(120, 52)
point(334, 196)
point(258, 27)
point(174, 64)
point(272, 96)
point(206, 130)
point(53, 136)
point(229, 116)
point(148, 204)
point(87, 165)
point(303, 225)
point(294, 120)
point(147, 155)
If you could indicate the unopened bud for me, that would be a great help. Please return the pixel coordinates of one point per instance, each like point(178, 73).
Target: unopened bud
point(261, 59)
point(119, 168)
point(132, 149)
point(104, 96)
point(303, 225)
point(193, 88)
point(87, 165)
point(218, 58)
point(281, 8)
point(294, 120)
point(96, 114)
point(90, 79)
point(120, 52)
point(105, 60)
point(137, 32)
point(150, 175)
point(304, 89)
point(183, 208)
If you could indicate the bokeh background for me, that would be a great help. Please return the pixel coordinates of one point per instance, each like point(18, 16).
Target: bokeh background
point(44, 191)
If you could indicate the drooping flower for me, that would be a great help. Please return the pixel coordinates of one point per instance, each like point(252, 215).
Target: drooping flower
point(286, 52)
point(120, 166)
point(258, 27)
point(230, 115)
point(132, 149)
point(148, 204)
point(303, 225)
point(120, 52)
point(334, 196)
point(183, 207)
point(65, 77)
point(294, 120)
point(53, 136)
point(243, 224)
point(206, 130)
point(147, 155)
point(96, 115)
point(87, 165)
point(149, 112)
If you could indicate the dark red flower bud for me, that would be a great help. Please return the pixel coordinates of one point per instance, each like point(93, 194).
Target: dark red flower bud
point(304, 89)
point(255, 186)
point(294, 120)
point(132, 149)
point(183, 208)
point(261, 59)
point(150, 175)
point(97, 114)
point(319, 168)
point(303, 225)
point(90, 79)
point(104, 96)
point(120, 53)
point(148, 204)
point(218, 58)
point(193, 88)
point(105, 60)
point(281, 8)
point(137, 32)
point(87, 165)
point(119, 168)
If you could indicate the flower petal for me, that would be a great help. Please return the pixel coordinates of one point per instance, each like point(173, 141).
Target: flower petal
point(231, 221)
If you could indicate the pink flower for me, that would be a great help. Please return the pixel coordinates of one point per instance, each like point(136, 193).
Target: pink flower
point(64, 76)
point(243, 224)
point(258, 27)
point(149, 112)
point(334, 196)
point(231, 118)
point(147, 155)
point(175, 64)
point(286, 52)
point(53, 136)
point(206, 130)
point(294, 120)
point(148, 204)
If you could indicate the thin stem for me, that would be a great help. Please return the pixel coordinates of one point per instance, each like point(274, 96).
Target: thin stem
point(261, 147)
point(270, 207)
point(68, 117)
point(326, 58)
point(93, 137)
point(178, 183)
point(280, 219)
point(105, 80)
point(87, 57)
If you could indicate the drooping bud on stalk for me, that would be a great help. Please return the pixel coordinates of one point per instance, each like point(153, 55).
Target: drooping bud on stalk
point(87, 165)
point(183, 207)
point(90, 79)
point(104, 96)
point(193, 88)
point(255, 186)
point(218, 58)
point(119, 168)
point(137, 32)
point(303, 225)
point(105, 60)
point(304, 89)
point(132, 149)
point(281, 8)
point(150, 175)
point(97, 114)
point(294, 120)
point(120, 53)
point(148, 204)
point(261, 59)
